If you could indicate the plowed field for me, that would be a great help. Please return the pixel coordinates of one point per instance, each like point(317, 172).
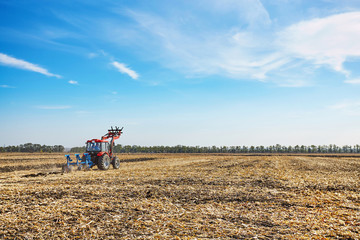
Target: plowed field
point(181, 196)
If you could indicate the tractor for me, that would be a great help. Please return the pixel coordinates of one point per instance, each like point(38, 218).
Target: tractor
point(98, 152)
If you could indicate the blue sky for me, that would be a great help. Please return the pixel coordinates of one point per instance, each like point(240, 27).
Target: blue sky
point(206, 72)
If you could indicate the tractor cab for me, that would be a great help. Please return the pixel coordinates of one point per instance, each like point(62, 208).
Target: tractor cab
point(96, 145)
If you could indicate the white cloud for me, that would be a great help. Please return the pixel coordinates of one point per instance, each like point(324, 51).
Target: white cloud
point(231, 38)
point(202, 51)
point(252, 52)
point(349, 107)
point(353, 81)
point(330, 40)
point(18, 63)
point(6, 86)
point(126, 70)
point(99, 53)
point(291, 83)
point(53, 107)
point(250, 11)
point(92, 55)
point(73, 82)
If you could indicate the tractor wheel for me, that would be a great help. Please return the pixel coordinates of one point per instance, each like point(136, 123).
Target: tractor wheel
point(116, 162)
point(104, 162)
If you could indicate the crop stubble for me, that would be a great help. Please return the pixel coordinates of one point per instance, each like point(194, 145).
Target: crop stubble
point(181, 196)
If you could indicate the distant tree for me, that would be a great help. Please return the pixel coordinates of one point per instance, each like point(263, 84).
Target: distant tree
point(29, 147)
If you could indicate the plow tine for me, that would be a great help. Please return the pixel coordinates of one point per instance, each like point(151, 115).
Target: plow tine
point(67, 167)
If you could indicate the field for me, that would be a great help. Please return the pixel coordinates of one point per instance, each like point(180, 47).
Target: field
point(170, 196)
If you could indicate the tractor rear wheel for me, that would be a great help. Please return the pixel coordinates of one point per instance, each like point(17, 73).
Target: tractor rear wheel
point(104, 162)
point(116, 162)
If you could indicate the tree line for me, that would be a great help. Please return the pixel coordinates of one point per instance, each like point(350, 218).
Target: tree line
point(332, 148)
point(30, 147)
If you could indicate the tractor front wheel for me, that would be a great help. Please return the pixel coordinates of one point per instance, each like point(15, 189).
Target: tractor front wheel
point(104, 162)
point(116, 162)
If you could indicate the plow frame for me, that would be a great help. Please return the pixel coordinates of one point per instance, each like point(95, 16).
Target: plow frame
point(80, 162)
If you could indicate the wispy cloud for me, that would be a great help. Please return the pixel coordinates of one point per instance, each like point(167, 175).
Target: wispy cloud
point(73, 82)
point(349, 107)
point(291, 83)
point(126, 70)
point(193, 45)
point(6, 86)
point(46, 107)
point(92, 55)
point(96, 54)
point(21, 64)
point(324, 41)
point(231, 38)
point(251, 52)
point(236, 53)
point(353, 81)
